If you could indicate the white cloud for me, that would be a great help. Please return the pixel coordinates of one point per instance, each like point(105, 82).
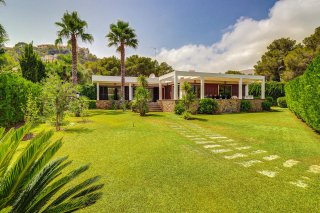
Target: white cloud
point(244, 42)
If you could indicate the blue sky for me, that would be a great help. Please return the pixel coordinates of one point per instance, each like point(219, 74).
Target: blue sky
point(160, 24)
point(203, 35)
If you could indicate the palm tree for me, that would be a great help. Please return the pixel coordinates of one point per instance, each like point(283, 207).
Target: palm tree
point(71, 28)
point(120, 36)
point(30, 181)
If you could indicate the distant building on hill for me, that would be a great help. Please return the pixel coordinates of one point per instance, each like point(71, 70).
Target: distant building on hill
point(247, 72)
point(49, 58)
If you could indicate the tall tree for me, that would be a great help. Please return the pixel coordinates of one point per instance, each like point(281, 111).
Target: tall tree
point(31, 65)
point(3, 35)
point(121, 36)
point(71, 28)
point(272, 62)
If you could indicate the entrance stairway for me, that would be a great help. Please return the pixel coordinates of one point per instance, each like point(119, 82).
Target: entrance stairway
point(154, 107)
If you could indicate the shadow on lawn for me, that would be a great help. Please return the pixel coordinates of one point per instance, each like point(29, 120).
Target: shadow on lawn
point(78, 130)
point(105, 112)
point(153, 115)
point(198, 119)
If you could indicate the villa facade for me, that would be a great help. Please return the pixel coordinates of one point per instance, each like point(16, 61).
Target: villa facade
point(166, 89)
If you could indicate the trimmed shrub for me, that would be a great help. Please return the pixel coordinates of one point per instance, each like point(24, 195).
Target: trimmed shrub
point(179, 108)
point(274, 89)
point(186, 115)
point(208, 106)
point(88, 90)
point(271, 100)
point(245, 106)
point(303, 95)
point(79, 106)
point(92, 104)
point(266, 105)
point(282, 102)
point(14, 90)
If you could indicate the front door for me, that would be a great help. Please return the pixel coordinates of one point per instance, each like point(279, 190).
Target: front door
point(155, 94)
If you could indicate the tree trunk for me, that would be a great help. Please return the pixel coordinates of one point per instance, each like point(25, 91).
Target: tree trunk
point(74, 59)
point(123, 72)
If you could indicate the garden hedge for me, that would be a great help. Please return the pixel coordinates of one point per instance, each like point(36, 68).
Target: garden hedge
point(303, 95)
point(273, 89)
point(14, 91)
point(89, 90)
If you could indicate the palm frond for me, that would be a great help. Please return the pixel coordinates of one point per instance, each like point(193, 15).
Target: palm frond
point(38, 183)
point(75, 204)
point(43, 160)
point(74, 190)
point(14, 176)
point(30, 179)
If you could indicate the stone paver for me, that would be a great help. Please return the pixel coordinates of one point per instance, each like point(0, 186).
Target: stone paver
point(268, 173)
point(235, 156)
point(271, 157)
point(250, 163)
point(290, 163)
point(221, 150)
point(314, 169)
point(299, 183)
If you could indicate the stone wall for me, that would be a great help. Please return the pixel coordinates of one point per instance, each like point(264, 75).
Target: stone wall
point(228, 105)
point(256, 105)
point(167, 105)
point(225, 105)
point(106, 104)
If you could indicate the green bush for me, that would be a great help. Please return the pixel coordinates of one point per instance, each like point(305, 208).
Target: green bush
point(88, 90)
point(92, 104)
point(208, 106)
point(79, 106)
point(179, 108)
point(303, 95)
point(273, 89)
point(282, 102)
point(245, 106)
point(186, 115)
point(272, 100)
point(14, 91)
point(266, 105)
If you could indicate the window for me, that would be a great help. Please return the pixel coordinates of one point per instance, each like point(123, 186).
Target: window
point(225, 91)
point(196, 90)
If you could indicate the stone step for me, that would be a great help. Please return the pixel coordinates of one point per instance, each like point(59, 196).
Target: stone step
point(154, 107)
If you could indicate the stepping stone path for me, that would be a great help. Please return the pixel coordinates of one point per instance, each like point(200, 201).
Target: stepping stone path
point(299, 183)
point(271, 157)
point(314, 169)
point(243, 147)
point(221, 150)
point(209, 140)
point(258, 152)
point(211, 146)
point(290, 163)
point(250, 163)
point(235, 156)
point(268, 173)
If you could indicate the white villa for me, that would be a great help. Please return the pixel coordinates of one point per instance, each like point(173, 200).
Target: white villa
point(167, 87)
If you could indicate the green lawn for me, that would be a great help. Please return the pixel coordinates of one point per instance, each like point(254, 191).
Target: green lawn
point(148, 164)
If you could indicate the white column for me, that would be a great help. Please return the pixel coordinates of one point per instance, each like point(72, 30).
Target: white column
point(160, 90)
point(263, 88)
point(130, 92)
point(202, 88)
point(98, 95)
point(180, 89)
point(246, 90)
point(175, 87)
point(240, 88)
